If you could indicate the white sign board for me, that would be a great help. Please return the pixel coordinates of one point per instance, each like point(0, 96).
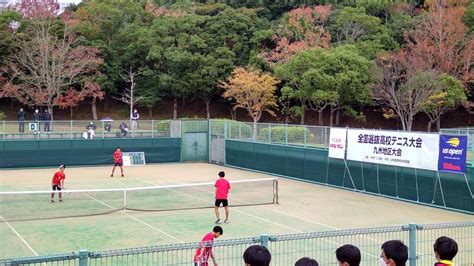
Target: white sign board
point(337, 142)
point(406, 149)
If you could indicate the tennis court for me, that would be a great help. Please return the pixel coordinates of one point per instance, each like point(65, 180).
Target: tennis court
point(303, 207)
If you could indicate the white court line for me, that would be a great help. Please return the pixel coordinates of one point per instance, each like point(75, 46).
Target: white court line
point(283, 213)
point(19, 236)
point(259, 218)
point(136, 219)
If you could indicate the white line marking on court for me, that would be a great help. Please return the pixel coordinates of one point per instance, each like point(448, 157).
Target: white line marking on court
point(136, 219)
point(259, 218)
point(19, 236)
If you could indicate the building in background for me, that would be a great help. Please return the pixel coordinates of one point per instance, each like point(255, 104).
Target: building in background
point(63, 4)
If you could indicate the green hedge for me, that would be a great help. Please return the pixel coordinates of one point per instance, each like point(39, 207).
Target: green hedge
point(278, 134)
point(235, 129)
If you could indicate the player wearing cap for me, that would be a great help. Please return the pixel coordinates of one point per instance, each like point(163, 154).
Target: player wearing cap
point(58, 182)
point(117, 161)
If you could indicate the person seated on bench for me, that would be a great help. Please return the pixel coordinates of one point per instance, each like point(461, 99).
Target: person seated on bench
point(124, 129)
point(107, 127)
point(91, 127)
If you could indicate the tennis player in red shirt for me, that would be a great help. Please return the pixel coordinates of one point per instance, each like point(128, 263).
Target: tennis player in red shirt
point(58, 182)
point(222, 190)
point(117, 161)
point(204, 251)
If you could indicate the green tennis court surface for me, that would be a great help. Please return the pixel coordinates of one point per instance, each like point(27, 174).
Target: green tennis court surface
point(303, 207)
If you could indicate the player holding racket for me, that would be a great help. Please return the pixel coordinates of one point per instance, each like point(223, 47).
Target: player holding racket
point(58, 182)
point(117, 161)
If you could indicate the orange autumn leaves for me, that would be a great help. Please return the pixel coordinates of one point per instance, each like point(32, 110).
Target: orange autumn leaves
point(251, 90)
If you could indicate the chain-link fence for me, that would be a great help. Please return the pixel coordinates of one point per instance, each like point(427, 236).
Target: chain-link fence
point(285, 249)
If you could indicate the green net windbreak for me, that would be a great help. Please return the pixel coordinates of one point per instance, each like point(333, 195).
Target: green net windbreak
point(448, 190)
point(36, 205)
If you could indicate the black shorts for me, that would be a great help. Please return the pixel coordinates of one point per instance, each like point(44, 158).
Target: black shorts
point(118, 164)
point(224, 202)
point(56, 187)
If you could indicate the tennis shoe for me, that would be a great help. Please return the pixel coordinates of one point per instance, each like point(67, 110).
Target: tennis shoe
point(226, 221)
point(52, 201)
point(111, 175)
point(123, 176)
point(218, 221)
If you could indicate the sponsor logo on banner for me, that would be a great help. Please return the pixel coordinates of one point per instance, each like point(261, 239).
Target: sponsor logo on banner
point(452, 153)
point(337, 143)
point(397, 148)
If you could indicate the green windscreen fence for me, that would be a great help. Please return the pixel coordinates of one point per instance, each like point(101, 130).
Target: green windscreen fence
point(422, 186)
point(40, 153)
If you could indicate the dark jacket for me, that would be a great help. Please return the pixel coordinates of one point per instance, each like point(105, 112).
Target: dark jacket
point(36, 116)
point(91, 126)
point(123, 127)
point(21, 116)
point(47, 116)
point(107, 127)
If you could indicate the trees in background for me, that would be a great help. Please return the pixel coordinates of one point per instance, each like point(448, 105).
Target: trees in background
point(48, 60)
point(324, 55)
point(252, 91)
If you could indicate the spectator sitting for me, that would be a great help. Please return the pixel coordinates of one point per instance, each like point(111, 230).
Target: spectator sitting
point(394, 253)
point(107, 127)
point(305, 261)
point(257, 256)
point(91, 127)
point(445, 250)
point(348, 255)
point(124, 129)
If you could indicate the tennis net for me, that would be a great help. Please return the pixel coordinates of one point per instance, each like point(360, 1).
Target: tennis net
point(35, 205)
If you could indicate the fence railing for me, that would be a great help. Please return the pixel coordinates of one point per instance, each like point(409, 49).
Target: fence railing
point(87, 129)
point(300, 135)
point(285, 249)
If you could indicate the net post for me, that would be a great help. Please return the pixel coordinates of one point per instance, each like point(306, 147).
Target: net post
point(264, 239)
point(412, 228)
point(83, 256)
point(275, 191)
point(124, 200)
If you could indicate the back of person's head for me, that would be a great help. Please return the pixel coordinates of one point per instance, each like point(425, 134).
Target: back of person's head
point(395, 252)
point(306, 261)
point(221, 174)
point(445, 248)
point(348, 255)
point(218, 229)
point(257, 256)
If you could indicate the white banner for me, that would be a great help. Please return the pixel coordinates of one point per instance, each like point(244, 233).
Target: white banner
point(407, 149)
point(337, 142)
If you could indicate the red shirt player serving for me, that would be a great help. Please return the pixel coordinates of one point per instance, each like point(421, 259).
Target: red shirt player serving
point(117, 161)
point(222, 190)
point(204, 251)
point(58, 182)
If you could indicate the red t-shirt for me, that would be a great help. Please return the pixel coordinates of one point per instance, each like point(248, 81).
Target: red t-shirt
point(118, 156)
point(58, 176)
point(223, 187)
point(209, 237)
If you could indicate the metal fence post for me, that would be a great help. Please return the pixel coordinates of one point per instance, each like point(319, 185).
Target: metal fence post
point(153, 127)
point(269, 133)
point(4, 130)
point(70, 129)
point(83, 257)
point(264, 239)
point(412, 243)
point(286, 134)
point(305, 129)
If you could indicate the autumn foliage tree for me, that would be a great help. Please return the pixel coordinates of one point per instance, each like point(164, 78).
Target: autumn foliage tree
point(251, 90)
point(301, 29)
point(49, 61)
